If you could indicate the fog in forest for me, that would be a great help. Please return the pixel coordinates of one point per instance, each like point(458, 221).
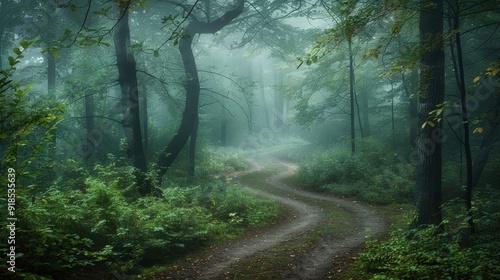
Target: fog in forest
point(250, 139)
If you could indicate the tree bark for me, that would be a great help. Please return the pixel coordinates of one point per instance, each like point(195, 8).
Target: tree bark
point(144, 119)
point(409, 88)
point(465, 122)
point(127, 78)
point(267, 121)
point(1, 49)
point(223, 125)
point(51, 72)
point(485, 149)
point(192, 148)
point(366, 114)
point(89, 128)
point(429, 139)
point(192, 86)
point(351, 96)
point(278, 104)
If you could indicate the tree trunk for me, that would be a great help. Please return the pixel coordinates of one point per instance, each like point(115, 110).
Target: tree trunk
point(192, 148)
point(1, 49)
point(409, 88)
point(267, 121)
point(170, 153)
point(51, 72)
point(144, 119)
point(366, 114)
point(249, 102)
point(89, 128)
point(465, 122)
point(393, 121)
point(485, 149)
point(51, 91)
point(351, 96)
point(278, 104)
point(223, 125)
point(127, 78)
point(192, 86)
point(429, 139)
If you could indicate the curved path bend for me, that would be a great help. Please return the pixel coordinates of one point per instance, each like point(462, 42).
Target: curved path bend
point(313, 264)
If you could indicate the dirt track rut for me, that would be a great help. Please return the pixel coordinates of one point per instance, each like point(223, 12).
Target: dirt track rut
point(313, 264)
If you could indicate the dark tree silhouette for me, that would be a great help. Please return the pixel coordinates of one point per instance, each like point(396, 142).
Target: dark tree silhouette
point(429, 142)
point(127, 77)
point(192, 86)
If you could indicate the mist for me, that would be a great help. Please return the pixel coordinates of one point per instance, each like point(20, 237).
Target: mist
point(259, 139)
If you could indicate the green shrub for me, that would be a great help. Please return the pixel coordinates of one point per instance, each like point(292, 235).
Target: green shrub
point(373, 174)
point(432, 253)
point(67, 227)
point(216, 162)
point(429, 255)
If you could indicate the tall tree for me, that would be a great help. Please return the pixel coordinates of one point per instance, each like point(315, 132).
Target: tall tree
point(460, 78)
point(351, 94)
point(127, 78)
point(429, 138)
point(279, 102)
point(192, 86)
point(267, 121)
point(410, 93)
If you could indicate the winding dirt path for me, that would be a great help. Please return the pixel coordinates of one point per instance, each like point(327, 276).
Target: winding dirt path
point(313, 264)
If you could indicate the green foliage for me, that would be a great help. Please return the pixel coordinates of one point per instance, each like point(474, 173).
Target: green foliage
point(433, 253)
point(20, 118)
point(98, 218)
point(373, 174)
point(217, 162)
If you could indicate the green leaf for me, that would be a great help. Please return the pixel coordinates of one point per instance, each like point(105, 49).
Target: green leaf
point(25, 44)
point(12, 61)
point(17, 51)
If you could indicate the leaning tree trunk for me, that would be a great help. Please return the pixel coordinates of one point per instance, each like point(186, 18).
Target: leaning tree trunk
point(429, 138)
point(190, 114)
point(192, 148)
point(131, 123)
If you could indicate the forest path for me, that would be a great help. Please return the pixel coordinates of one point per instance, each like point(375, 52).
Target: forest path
point(287, 250)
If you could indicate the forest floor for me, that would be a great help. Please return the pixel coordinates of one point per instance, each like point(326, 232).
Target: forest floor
point(315, 237)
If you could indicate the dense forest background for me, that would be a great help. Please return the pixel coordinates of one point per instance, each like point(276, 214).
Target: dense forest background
point(123, 122)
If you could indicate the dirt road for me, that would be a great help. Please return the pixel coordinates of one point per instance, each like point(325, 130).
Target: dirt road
point(305, 215)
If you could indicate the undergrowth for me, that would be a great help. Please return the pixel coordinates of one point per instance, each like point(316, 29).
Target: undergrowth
point(373, 174)
point(97, 218)
point(432, 253)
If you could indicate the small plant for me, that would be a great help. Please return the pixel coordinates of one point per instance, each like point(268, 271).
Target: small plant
point(97, 220)
point(373, 174)
point(218, 162)
point(433, 253)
